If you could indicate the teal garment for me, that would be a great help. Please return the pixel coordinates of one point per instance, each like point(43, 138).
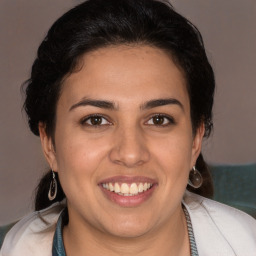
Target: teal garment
point(235, 185)
point(58, 246)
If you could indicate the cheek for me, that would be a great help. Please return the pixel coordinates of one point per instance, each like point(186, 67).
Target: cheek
point(78, 158)
point(78, 163)
point(174, 154)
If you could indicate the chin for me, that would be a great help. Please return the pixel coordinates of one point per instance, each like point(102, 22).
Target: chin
point(131, 232)
point(128, 229)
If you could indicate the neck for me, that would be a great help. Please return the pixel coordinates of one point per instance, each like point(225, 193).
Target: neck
point(168, 239)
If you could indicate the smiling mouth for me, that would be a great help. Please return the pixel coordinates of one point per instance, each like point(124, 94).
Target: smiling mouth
point(126, 189)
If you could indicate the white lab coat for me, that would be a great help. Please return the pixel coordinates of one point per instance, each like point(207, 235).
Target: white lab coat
point(219, 230)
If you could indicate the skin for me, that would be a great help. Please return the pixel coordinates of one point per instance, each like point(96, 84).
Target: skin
point(128, 142)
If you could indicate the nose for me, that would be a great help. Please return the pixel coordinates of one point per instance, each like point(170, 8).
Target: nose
point(129, 148)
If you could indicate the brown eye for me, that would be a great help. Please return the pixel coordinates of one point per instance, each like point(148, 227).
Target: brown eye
point(95, 121)
point(158, 120)
point(161, 120)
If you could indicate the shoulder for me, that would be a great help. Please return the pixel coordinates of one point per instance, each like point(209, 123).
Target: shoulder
point(33, 234)
point(226, 230)
point(198, 204)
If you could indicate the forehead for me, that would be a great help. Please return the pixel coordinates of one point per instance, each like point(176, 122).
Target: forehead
point(130, 72)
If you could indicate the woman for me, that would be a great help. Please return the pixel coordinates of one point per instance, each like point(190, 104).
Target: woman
point(121, 95)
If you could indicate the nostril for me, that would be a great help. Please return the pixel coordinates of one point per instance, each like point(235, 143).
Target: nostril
point(129, 159)
point(129, 149)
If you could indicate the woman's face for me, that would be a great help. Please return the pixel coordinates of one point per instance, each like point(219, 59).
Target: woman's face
point(123, 141)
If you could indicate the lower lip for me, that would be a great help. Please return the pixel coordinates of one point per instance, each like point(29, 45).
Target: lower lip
point(128, 201)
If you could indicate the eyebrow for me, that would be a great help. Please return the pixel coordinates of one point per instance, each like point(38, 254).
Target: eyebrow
point(110, 105)
point(95, 103)
point(161, 102)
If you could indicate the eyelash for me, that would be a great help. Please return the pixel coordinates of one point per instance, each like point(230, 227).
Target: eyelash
point(87, 118)
point(168, 120)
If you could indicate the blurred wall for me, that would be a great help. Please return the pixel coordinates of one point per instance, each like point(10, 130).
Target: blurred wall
point(228, 29)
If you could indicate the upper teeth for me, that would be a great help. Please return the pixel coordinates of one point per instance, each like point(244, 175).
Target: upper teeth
point(127, 189)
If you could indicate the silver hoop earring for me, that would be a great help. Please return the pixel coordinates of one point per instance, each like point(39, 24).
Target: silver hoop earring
point(195, 178)
point(53, 188)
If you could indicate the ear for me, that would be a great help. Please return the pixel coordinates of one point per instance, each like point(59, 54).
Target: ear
point(197, 143)
point(48, 147)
